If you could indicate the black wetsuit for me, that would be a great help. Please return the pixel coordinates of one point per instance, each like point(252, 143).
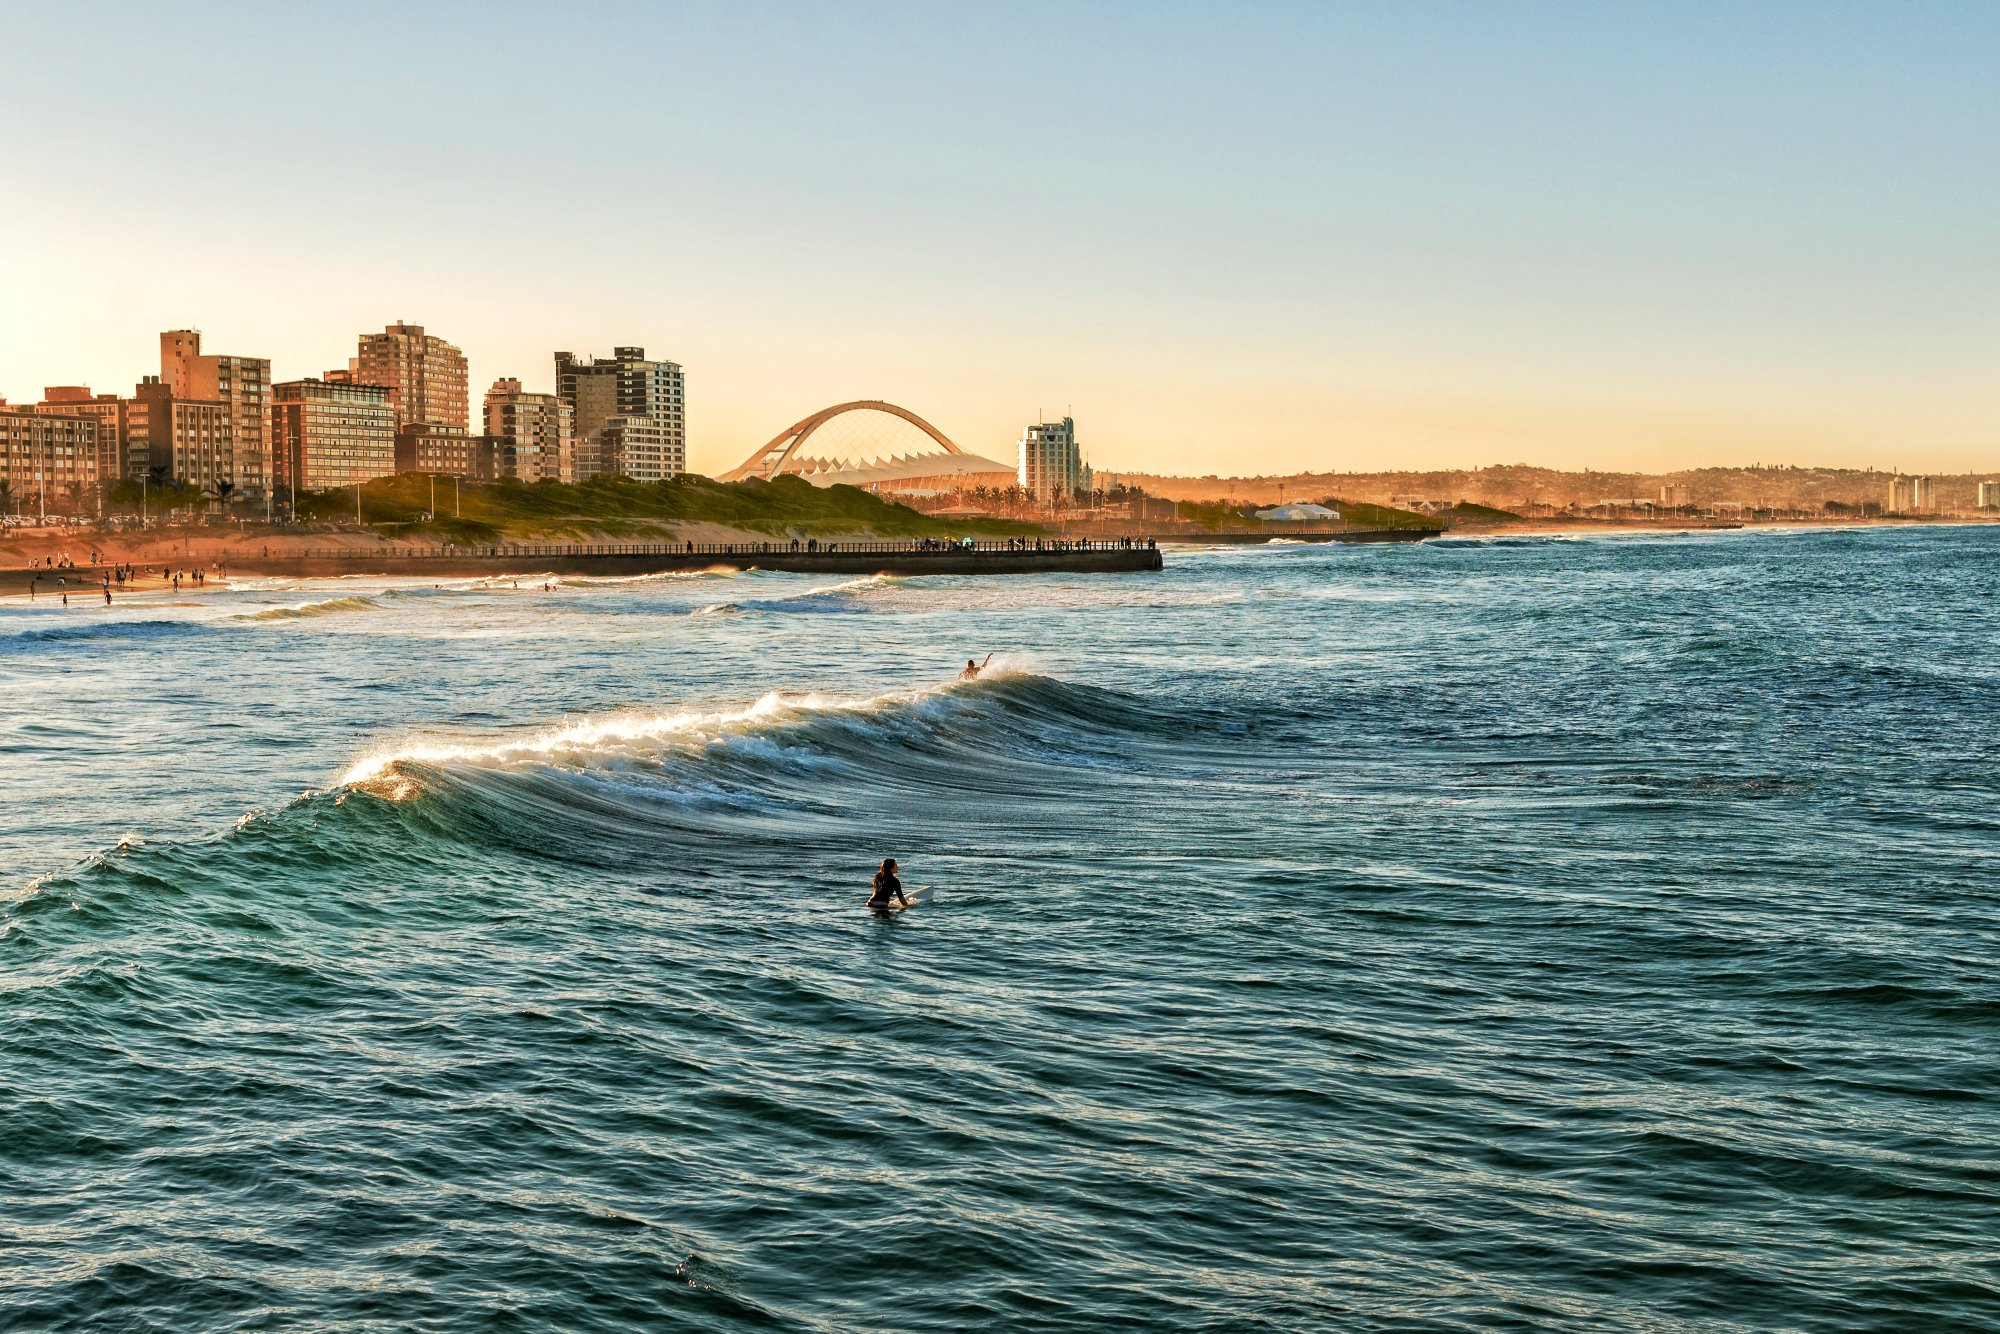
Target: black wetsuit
point(888, 891)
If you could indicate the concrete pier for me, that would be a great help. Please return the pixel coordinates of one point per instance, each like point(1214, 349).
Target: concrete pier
point(462, 562)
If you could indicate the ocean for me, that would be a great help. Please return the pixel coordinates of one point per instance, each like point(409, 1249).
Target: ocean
point(1536, 933)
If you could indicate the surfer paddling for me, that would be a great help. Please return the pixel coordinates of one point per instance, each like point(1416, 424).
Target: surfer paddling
point(973, 669)
point(888, 895)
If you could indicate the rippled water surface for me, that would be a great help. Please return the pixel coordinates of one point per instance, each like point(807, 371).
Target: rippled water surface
point(1492, 934)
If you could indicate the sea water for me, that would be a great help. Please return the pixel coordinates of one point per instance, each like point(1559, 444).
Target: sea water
point(1535, 933)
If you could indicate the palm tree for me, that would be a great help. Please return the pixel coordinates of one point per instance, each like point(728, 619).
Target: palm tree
point(223, 488)
point(6, 492)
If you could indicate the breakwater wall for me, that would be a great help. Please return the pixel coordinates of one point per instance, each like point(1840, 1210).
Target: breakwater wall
point(460, 562)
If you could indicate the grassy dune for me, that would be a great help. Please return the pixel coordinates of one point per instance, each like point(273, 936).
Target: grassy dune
point(1465, 509)
point(621, 507)
point(1361, 514)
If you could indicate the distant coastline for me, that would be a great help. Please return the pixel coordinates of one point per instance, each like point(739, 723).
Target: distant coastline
point(1585, 527)
point(1524, 489)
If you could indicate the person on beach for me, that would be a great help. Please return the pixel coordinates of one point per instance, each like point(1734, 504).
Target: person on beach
point(888, 895)
point(973, 669)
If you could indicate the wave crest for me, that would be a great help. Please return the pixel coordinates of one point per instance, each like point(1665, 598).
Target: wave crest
point(958, 715)
point(324, 607)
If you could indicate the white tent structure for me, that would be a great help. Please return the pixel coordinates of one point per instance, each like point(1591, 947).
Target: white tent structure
point(1299, 513)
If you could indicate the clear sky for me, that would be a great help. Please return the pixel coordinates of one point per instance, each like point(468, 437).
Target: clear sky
point(1236, 237)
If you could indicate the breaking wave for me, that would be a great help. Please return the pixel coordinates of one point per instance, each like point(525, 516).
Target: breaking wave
point(843, 598)
point(1007, 705)
point(658, 577)
point(325, 607)
point(691, 787)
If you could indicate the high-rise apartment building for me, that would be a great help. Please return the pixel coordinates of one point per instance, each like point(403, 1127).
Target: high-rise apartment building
point(243, 386)
point(191, 440)
point(1899, 495)
point(629, 414)
point(427, 447)
point(532, 433)
point(330, 433)
point(1051, 466)
point(1923, 495)
point(112, 415)
point(425, 376)
point(646, 449)
point(42, 457)
point(1989, 495)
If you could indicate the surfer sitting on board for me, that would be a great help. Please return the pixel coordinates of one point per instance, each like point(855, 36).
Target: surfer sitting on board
point(888, 895)
point(973, 669)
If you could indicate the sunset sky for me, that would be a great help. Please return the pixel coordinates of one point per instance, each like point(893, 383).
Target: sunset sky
point(1228, 238)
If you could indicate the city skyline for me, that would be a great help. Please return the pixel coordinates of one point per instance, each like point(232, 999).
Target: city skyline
point(1288, 240)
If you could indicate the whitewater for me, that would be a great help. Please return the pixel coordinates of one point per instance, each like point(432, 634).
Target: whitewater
point(1484, 934)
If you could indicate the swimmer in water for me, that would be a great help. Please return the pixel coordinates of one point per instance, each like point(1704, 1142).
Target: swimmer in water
point(973, 669)
point(888, 895)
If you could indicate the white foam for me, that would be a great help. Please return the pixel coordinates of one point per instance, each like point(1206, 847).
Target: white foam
point(632, 734)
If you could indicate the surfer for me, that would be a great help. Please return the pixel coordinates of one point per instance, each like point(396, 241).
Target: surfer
point(888, 895)
point(973, 669)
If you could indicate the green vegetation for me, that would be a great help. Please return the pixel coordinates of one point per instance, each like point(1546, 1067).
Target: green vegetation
point(159, 494)
point(619, 507)
point(1360, 514)
point(1214, 515)
point(1465, 509)
point(1211, 515)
